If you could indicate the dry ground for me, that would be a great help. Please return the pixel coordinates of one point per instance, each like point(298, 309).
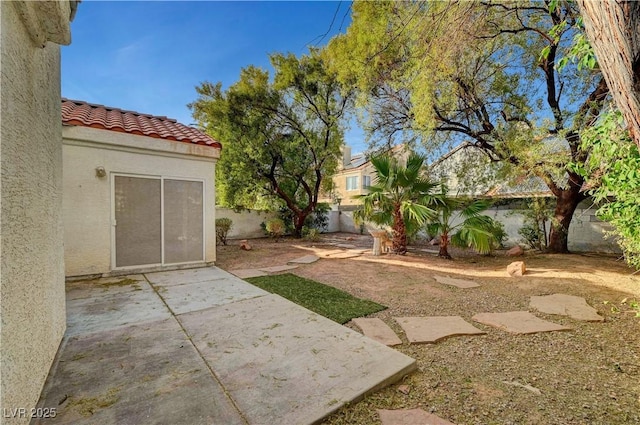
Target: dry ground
point(590, 375)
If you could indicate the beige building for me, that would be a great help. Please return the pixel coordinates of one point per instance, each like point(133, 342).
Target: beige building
point(138, 192)
point(354, 174)
point(32, 294)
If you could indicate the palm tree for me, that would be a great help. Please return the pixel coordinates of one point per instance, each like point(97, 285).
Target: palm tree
point(462, 220)
point(400, 196)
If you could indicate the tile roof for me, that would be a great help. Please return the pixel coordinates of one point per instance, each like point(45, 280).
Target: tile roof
point(77, 112)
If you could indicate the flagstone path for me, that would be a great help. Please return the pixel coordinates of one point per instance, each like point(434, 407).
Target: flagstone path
point(377, 330)
point(307, 259)
point(430, 330)
point(518, 322)
point(566, 305)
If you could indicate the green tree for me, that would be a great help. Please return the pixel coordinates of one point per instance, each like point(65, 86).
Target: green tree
point(483, 72)
point(461, 221)
point(614, 171)
point(400, 196)
point(281, 137)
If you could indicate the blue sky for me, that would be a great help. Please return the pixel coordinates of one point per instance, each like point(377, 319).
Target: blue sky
point(148, 56)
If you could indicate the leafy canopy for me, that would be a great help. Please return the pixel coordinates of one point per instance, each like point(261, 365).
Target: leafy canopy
point(281, 137)
point(483, 72)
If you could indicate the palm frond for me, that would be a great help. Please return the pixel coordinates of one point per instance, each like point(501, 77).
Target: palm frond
point(418, 212)
point(475, 207)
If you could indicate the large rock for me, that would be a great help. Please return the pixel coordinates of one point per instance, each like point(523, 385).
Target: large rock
point(516, 269)
point(244, 245)
point(515, 251)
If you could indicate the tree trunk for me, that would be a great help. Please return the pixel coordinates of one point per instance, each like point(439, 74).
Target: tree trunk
point(612, 27)
point(298, 223)
point(399, 232)
point(444, 246)
point(565, 207)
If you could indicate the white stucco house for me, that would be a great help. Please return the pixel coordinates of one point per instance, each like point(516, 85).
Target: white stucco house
point(138, 191)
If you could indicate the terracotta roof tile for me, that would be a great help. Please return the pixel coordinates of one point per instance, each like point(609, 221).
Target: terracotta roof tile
point(77, 112)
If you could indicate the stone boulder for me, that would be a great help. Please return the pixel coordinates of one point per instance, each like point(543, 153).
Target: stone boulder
point(516, 269)
point(244, 245)
point(515, 251)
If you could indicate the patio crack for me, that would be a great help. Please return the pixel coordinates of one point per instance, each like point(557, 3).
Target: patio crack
point(211, 371)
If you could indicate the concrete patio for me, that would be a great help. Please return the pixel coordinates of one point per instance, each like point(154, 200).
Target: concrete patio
point(202, 346)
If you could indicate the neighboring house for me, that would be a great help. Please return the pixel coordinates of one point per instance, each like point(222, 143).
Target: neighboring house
point(354, 175)
point(468, 172)
point(32, 294)
point(138, 191)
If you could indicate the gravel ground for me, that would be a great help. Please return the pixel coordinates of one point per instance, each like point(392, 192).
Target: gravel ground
point(589, 375)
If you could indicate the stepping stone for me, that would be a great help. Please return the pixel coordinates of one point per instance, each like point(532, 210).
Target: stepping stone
point(410, 417)
point(277, 269)
point(378, 330)
point(433, 329)
point(328, 253)
point(566, 305)
point(345, 245)
point(307, 259)
point(247, 273)
point(518, 322)
point(458, 283)
point(342, 255)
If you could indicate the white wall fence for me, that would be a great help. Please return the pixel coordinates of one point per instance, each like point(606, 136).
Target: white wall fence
point(587, 232)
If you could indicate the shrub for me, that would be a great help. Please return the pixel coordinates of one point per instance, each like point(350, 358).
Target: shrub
point(275, 228)
point(223, 226)
point(497, 230)
point(312, 235)
point(530, 236)
point(318, 219)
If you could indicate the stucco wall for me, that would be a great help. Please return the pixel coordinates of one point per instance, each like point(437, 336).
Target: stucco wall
point(246, 224)
point(586, 233)
point(87, 198)
point(32, 296)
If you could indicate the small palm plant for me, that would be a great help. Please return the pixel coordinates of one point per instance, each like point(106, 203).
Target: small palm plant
point(463, 222)
point(400, 197)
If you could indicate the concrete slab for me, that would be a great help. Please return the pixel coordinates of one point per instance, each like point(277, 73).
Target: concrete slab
point(277, 269)
point(307, 259)
point(433, 329)
point(180, 277)
point(410, 417)
point(106, 285)
point(458, 283)
point(248, 273)
point(283, 364)
point(566, 305)
point(141, 374)
point(518, 322)
point(105, 311)
point(377, 330)
point(198, 296)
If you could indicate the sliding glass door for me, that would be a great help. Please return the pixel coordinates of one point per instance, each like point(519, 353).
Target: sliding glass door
point(157, 221)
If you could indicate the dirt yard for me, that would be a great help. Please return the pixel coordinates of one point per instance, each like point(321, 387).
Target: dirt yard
point(589, 375)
